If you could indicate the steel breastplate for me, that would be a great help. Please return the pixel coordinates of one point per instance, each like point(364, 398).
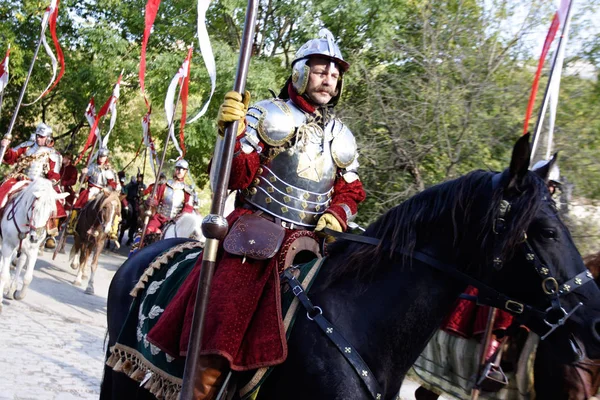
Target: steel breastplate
point(39, 165)
point(296, 185)
point(172, 201)
point(97, 176)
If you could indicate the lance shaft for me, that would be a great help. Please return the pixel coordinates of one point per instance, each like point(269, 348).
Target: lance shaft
point(22, 94)
point(148, 212)
point(215, 226)
point(542, 112)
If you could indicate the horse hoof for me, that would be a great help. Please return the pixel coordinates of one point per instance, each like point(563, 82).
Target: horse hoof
point(20, 294)
point(89, 290)
point(76, 282)
point(10, 295)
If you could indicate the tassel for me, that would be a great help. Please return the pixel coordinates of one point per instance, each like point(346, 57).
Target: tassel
point(138, 374)
point(127, 367)
point(144, 279)
point(112, 360)
point(159, 395)
point(150, 272)
point(156, 386)
point(149, 384)
point(118, 366)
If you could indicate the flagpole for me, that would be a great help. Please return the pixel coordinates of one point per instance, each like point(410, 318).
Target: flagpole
point(22, 94)
point(542, 112)
point(214, 225)
point(148, 212)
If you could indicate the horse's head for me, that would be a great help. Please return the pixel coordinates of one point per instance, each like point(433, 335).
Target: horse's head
point(40, 198)
point(536, 262)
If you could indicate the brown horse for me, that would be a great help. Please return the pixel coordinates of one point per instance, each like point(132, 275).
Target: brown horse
point(92, 230)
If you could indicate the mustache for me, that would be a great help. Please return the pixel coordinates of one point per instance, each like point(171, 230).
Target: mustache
point(331, 91)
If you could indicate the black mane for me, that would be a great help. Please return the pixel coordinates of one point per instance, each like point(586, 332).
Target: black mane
point(464, 209)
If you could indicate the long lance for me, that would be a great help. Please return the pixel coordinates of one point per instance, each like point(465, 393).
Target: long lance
point(148, 212)
point(214, 225)
point(63, 233)
point(542, 112)
point(8, 134)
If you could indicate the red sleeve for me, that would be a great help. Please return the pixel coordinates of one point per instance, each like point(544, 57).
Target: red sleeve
point(53, 176)
point(148, 190)
point(348, 194)
point(243, 167)
point(112, 183)
point(188, 203)
point(11, 156)
point(160, 191)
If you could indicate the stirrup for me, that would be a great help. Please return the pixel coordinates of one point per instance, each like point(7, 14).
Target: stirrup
point(492, 378)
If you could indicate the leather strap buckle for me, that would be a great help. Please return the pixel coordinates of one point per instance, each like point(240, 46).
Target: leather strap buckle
point(514, 306)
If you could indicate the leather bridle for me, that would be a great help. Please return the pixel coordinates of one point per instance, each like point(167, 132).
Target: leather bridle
point(554, 316)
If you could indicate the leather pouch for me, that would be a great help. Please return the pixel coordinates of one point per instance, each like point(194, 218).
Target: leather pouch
point(254, 237)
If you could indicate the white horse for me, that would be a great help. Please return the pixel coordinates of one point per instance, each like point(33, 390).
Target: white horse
point(188, 225)
point(23, 229)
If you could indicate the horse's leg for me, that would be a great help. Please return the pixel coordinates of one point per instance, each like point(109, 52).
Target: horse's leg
point(15, 279)
point(94, 266)
point(31, 259)
point(5, 257)
point(77, 255)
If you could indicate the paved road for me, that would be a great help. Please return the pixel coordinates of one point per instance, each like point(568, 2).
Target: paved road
point(52, 342)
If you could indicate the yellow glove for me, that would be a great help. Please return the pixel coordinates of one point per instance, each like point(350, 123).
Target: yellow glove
point(328, 220)
point(234, 108)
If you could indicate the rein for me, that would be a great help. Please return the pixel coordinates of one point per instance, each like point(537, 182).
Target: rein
point(554, 316)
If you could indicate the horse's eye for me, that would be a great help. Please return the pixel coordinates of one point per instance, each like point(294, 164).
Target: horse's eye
point(549, 233)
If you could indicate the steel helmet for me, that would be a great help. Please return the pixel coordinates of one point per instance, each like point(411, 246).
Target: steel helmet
point(324, 47)
point(43, 130)
point(181, 163)
point(553, 173)
point(103, 152)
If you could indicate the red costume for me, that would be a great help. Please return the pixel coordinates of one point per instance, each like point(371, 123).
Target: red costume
point(45, 162)
point(173, 198)
point(244, 322)
point(470, 320)
point(68, 178)
point(98, 178)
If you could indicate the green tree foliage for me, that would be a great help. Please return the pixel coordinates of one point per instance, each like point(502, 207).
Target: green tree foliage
point(436, 88)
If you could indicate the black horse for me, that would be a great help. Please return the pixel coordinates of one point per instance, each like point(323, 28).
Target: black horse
point(501, 229)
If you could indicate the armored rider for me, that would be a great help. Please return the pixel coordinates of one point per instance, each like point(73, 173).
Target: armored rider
point(295, 164)
point(173, 198)
point(32, 159)
point(100, 177)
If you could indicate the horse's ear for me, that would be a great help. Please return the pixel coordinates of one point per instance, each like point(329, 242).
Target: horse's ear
point(519, 163)
point(544, 171)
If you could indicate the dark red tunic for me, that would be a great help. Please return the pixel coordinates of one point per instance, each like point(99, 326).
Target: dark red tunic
point(243, 321)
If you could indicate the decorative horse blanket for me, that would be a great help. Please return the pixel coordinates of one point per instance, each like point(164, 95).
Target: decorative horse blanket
point(143, 361)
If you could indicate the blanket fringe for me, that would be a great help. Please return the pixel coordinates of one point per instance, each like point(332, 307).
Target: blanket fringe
point(161, 260)
point(132, 364)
